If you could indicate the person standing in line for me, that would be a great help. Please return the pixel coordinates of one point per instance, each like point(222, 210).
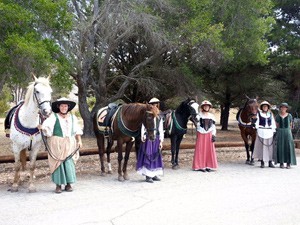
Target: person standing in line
point(205, 158)
point(64, 138)
point(285, 150)
point(266, 128)
point(149, 162)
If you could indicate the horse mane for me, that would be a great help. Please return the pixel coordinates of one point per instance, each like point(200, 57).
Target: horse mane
point(183, 103)
point(41, 80)
point(133, 109)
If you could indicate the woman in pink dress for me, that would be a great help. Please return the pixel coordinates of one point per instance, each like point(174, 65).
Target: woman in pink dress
point(205, 158)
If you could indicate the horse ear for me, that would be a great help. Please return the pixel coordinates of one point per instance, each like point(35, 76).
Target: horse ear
point(34, 77)
point(247, 97)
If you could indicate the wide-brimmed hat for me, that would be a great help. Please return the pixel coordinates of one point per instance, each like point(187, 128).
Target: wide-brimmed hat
point(55, 105)
point(205, 102)
point(284, 104)
point(154, 100)
point(265, 103)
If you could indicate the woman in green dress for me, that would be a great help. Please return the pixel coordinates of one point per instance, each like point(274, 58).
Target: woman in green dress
point(285, 144)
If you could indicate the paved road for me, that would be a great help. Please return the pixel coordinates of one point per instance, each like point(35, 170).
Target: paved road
point(235, 194)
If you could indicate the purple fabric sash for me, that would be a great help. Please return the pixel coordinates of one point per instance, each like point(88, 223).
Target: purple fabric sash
point(24, 130)
point(149, 155)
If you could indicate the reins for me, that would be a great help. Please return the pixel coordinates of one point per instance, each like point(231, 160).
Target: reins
point(51, 153)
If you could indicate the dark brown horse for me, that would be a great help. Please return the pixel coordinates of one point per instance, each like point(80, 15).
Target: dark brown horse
point(246, 118)
point(124, 127)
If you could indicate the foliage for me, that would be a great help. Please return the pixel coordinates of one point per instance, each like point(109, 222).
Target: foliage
point(5, 98)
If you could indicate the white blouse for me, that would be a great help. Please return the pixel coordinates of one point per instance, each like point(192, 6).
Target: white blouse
point(212, 127)
point(160, 129)
point(65, 123)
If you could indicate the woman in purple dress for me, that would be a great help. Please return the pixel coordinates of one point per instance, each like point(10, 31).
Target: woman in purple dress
point(149, 161)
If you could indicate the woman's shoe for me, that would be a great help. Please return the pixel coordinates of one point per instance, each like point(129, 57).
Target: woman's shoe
point(262, 164)
point(58, 189)
point(208, 169)
point(281, 165)
point(156, 178)
point(149, 179)
point(68, 188)
point(271, 164)
point(288, 166)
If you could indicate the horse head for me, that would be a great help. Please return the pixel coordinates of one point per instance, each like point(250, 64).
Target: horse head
point(42, 92)
point(152, 113)
point(251, 109)
point(194, 111)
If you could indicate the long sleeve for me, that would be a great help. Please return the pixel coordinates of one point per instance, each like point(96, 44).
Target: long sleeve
point(161, 130)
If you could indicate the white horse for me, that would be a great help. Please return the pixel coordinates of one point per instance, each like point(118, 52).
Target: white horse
point(23, 130)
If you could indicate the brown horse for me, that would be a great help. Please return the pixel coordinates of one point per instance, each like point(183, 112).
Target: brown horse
point(124, 127)
point(246, 118)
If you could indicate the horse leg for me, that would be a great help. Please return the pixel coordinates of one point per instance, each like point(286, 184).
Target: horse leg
point(178, 141)
point(15, 185)
point(120, 158)
point(252, 149)
point(127, 154)
point(247, 153)
point(33, 155)
point(108, 151)
point(173, 148)
point(100, 144)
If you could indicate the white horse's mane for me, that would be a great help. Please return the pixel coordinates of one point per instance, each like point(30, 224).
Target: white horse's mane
point(41, 80)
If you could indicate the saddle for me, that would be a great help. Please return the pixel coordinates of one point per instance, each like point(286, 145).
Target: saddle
point(8, 119)
point(167, 120)
point(105, 117)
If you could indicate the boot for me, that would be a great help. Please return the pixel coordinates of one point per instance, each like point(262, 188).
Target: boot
point(288, 166)
point(68, 188)
point(262, 164)
point(58, 189)
point(149, 179)
point(271, 164)
point(281, 165)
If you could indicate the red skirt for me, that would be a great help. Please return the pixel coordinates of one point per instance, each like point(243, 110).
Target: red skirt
point(205, 152)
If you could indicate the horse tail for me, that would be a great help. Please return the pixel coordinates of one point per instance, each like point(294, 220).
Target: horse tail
point(23, 158)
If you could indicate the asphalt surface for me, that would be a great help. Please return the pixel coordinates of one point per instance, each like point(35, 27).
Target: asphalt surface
point(236, 194)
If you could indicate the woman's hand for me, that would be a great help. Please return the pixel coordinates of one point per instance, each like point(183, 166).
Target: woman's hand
point(79, 144)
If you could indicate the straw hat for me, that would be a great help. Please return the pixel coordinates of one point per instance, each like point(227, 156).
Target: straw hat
point(154, 100)
point(265, 103)
point(206, 102)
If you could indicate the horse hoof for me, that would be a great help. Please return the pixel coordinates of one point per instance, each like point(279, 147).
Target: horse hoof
point(120, 178)
point(102, 174)
point(175, 167)
point(14, 189)
point(252, 163)
point(32, 190)
point(126, 177)
point(247, 162)
point(109, 172)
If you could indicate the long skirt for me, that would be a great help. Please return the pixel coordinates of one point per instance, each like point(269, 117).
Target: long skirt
point(65, 173)
point(149, 161)
point(285, 151)
point(263, 149)
point(205, 152)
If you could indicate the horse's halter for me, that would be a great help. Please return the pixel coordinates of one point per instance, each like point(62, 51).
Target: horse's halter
point(150, 121)
point(252, 116)
point(193, 112)
point(38, 101)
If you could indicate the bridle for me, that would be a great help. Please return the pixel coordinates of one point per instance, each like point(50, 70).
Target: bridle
point(38, 101)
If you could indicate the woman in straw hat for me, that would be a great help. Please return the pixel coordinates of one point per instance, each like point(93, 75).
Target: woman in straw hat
point(285, 150)
point(266, 127)
point(64, 139)
point(205, 158)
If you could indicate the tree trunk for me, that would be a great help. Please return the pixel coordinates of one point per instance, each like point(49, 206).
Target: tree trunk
point(225, 116)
